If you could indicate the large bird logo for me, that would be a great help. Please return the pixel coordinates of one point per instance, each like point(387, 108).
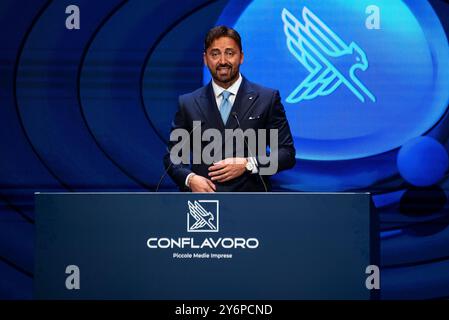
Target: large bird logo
point(329, 60)
point(204, 220)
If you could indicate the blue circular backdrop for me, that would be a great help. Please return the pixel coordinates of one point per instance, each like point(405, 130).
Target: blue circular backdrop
point(407, 71)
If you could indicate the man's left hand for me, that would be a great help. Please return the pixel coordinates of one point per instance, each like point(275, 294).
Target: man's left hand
point(227, 169)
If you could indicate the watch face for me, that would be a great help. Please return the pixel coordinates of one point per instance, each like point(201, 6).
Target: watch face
point(249, 166)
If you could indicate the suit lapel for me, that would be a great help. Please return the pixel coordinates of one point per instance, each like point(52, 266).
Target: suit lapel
point(244, 101)
point(208, 107)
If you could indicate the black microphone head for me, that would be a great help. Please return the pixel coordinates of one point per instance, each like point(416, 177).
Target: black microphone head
point(234, 114)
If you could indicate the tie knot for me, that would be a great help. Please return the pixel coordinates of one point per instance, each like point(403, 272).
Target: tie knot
point(225, 95)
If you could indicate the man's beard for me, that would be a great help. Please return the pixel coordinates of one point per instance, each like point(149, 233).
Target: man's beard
point(233, 75)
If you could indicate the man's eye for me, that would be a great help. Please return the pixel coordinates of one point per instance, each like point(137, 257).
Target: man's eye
point(230, 54)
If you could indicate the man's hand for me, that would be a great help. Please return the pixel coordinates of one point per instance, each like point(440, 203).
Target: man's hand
point(200, 184)
point(227, 169)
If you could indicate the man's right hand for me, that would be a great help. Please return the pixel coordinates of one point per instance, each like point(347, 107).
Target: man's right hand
point(198, 183)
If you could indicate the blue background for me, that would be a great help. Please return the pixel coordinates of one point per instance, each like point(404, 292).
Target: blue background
point(90, 110)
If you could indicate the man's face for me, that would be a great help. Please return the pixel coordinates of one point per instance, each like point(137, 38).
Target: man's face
point(223, 58)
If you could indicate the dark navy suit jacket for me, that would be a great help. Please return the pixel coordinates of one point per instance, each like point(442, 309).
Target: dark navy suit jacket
point(255, 107)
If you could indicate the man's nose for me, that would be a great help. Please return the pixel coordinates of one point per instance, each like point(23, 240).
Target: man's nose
point(222, 59)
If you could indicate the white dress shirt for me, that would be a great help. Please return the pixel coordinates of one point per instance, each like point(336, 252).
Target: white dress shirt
point(233, 89)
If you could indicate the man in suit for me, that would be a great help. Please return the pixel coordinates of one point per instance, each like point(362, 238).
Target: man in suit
point(229, 101)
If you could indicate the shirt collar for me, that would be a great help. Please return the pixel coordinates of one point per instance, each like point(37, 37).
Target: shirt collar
point(234, 88)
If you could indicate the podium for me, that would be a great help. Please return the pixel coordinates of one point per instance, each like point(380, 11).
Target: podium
point(187, 246)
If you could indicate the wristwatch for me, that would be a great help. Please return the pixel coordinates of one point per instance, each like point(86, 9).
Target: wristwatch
point(249, 166)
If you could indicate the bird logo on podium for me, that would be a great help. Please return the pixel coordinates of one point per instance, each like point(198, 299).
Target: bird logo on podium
point(328, 59)
point(203, 216)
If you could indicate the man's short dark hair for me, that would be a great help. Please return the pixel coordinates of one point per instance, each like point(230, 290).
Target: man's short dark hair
point(221, 31)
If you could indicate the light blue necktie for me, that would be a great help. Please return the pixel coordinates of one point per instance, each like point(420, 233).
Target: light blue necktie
point(225, 106)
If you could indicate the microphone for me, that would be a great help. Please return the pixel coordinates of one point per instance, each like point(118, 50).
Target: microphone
point(234, 114)
point(171, 163)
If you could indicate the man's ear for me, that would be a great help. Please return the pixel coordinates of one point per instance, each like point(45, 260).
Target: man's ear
point(204, 58)
point(241, 57)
